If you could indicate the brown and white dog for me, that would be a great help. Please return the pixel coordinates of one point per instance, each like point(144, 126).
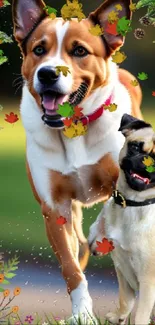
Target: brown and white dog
point(68, 173)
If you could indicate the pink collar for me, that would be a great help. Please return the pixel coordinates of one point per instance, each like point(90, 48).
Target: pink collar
point(98, 112)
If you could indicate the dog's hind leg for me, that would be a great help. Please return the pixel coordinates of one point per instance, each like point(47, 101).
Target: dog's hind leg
point(126, 301)
point(145, 303)
point(84, 251)
point(64, 242)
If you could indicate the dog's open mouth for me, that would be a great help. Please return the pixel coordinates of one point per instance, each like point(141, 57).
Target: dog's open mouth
point(51, 100)
point(138, 177)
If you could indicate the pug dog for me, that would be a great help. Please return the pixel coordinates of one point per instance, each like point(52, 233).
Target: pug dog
point(128, 220)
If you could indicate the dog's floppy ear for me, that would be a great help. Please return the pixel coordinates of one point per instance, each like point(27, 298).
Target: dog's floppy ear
point(130, 124)
point(100, 16)
point(26, 14)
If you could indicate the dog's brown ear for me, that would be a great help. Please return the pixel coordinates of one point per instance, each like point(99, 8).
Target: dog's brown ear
point(26, 13)
point(130, 124)
point(100, 16)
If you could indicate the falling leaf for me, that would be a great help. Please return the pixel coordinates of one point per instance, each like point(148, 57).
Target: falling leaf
point(118, 57)
point(148, 161)
point(61, 220)
point(112, 107)
point(50, 10)
point(72, 10)
point(153, 93)
point(4, 3)
point(3, 58)
point(70, 132)
point(4, 38)
point(65, 110)
point(68, 121)
point(133, 7)
point(96, 30)
point(111, 28)
point(62, 68)
point(123, 26)
point(142, 76)
point(80, 128)
point(119, 7)
point(105, 246)
point(77, 112)
point(113, 16)
point(134, 82)
point(11, 118)
point(150, 169)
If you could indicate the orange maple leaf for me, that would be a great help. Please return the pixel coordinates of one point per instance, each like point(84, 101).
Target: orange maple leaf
point(105, 246)
point(111, 28)
point(67, 121)
point(61, 220)
point(1, 3)
point(153, 93)
point(11, 118)
point(77, 112)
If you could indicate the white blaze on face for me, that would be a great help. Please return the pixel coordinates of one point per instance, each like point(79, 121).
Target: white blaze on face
point(64, 84)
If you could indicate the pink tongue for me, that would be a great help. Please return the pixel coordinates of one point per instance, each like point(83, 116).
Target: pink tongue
point(144, 179)
point(50, 103)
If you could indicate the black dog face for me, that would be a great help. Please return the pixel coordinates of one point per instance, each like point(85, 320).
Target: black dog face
point(137, 158)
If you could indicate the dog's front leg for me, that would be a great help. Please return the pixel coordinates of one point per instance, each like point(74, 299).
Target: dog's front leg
point(126, 301)
point(64, 242)
point(145, 303)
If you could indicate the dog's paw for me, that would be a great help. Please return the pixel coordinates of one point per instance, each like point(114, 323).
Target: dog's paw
point(114, 318)
point(83, 319)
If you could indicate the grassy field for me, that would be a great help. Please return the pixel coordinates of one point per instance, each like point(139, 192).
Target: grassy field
point(19, 212)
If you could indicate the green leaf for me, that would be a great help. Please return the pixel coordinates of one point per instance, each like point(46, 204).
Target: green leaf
point(3, 59)
point(65, 110)
point(4, 38)
point(5, 281)
point(142, 76)
point(50, 10)
point(6, 3)
point(1, 289)
point(150, 169)
point(123, 26)
point(14, 268)
point(10, 275)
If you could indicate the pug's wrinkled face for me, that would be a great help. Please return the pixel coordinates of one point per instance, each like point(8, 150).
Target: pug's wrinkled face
point(137, 157)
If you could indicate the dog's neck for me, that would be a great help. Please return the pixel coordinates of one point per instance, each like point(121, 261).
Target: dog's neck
point(129, 193)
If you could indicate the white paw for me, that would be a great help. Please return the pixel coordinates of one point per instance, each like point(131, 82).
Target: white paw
point(114, 318)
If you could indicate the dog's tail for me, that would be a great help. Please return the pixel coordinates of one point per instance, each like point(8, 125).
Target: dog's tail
point(84, 251)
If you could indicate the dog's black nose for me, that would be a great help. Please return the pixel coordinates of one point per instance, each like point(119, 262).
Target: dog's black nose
point(47, 75)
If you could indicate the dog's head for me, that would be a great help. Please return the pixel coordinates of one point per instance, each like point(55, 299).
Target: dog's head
point(137, 157)
point(48, 43)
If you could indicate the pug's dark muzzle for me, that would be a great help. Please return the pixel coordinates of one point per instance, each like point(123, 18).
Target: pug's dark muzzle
point(137, 177)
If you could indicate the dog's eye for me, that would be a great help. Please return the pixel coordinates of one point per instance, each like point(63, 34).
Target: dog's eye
point(134, 146)
point(39, 50)
point(80, 51)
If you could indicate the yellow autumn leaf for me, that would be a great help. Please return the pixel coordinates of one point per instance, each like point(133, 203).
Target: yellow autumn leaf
point(148, 161)
point(113, 16)
point(70, 131)
point(71, 10)
point(132, 6)
point(112, 107)
point(60, 68)
point(118, 57)
point(96, 30)
point(119, 7)
point(52, 15)
point(80, 128)
point(134, 82)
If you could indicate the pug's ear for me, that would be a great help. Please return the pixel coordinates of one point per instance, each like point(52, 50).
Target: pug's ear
point(130, 124)
point(26, 14)
point(100, 16)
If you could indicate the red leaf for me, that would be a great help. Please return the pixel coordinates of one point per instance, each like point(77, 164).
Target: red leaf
point(61, 220)
point(11, 118)
point(153, 93)
point(68, 121)
point(105, 246)
point(111, 28)
point(1, 3)
point(77, 111)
